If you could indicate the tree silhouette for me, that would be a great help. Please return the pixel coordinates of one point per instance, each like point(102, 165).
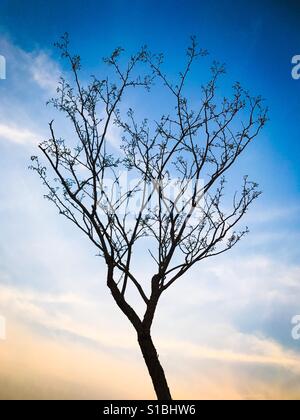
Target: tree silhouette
point(173, 207)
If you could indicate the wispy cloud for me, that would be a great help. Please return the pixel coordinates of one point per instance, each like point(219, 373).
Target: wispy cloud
point(45, 71)
point(18, 135)
point(68, 314)
point(31, 80)
point(250, 350)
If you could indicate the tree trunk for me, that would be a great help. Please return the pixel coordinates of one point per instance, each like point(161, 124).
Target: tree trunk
point(154, 367)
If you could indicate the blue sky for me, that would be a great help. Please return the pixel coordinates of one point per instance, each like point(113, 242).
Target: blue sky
point(256, 40)
point(236, 310)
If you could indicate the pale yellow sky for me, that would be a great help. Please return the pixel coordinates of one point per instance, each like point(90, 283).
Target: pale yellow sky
point(35, 365)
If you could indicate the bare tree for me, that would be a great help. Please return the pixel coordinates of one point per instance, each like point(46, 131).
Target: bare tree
point(182, 222)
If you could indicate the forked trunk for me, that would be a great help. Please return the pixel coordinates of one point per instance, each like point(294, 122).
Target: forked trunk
point(154, 367)
point(144, 337)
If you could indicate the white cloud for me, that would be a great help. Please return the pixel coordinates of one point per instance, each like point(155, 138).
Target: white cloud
point(60, 312)
point(114, 137)
point(247, 349)
point(273, 214)
point(18, 135)
point(31, 80)
point(45, 71)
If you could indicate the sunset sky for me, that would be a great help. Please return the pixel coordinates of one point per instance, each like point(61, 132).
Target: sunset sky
point(222, 331)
